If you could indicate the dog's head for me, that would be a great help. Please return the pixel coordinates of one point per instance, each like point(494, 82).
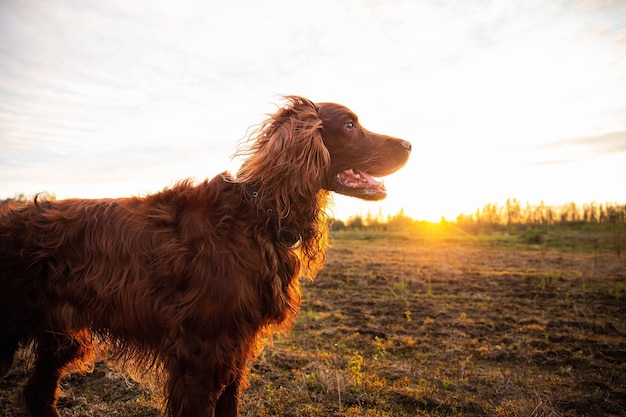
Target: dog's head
point(305, 147)
point(358, 155)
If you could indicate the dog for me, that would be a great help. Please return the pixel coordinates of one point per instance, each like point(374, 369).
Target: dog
point(192, 279)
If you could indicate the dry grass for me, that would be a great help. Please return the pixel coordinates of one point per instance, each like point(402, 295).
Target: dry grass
point(398, 325)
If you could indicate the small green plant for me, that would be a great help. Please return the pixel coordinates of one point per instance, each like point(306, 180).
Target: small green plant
point(399, 289)
point(546, 282)
point(355, 365)
point(308, 315)
point(379, 344)
point(568, 301)
point(618, 290)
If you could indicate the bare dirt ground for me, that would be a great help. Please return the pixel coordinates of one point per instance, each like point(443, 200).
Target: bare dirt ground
point(397, 325)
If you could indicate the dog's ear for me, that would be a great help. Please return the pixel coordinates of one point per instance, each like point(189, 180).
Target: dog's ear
point(287, 160)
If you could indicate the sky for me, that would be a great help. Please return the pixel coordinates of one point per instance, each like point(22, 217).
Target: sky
point(500, 99)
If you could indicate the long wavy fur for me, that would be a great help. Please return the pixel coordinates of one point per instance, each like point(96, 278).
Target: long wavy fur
point(286, 164)
point(190, 281)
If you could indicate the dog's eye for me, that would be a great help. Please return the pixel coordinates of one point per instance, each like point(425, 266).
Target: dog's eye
point(350, 125)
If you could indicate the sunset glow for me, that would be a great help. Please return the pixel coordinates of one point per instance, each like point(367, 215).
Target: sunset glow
point(500, 100)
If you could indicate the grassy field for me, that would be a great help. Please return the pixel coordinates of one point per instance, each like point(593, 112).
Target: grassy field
point(438, 323)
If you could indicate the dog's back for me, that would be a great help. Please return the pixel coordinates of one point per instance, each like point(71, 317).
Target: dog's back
point(73, 264)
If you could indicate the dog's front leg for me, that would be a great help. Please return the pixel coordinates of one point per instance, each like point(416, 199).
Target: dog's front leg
point(192, 388)
point(228, 403)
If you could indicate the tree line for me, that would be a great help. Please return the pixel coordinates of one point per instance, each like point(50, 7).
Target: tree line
point(493, 215)
point(513, 213)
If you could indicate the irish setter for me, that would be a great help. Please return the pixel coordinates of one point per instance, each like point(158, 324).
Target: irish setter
point(189, 280)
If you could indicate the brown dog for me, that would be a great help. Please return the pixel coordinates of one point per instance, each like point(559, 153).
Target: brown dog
point(191, 278)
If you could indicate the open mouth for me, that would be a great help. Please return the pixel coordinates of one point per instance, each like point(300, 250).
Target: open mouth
point(362, 181)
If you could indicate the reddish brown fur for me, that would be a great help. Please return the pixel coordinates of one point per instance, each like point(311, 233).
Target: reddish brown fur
point(191, 278)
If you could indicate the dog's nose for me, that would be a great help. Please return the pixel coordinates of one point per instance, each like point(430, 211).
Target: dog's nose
point(406, 145)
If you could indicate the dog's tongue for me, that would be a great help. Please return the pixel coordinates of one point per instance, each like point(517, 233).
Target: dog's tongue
point(358, 179)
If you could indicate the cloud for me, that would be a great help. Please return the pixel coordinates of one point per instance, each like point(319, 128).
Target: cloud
point(608, 143)
point(550, 163)
point(577, 149)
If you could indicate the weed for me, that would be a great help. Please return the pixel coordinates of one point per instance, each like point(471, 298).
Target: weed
point(547, 281)
point(399, 289)
point(355, 365)
point(568, 301)
point(429, 284)
point(380, 346)
point(407, 316)
point(308, 316)
point(618, 290)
